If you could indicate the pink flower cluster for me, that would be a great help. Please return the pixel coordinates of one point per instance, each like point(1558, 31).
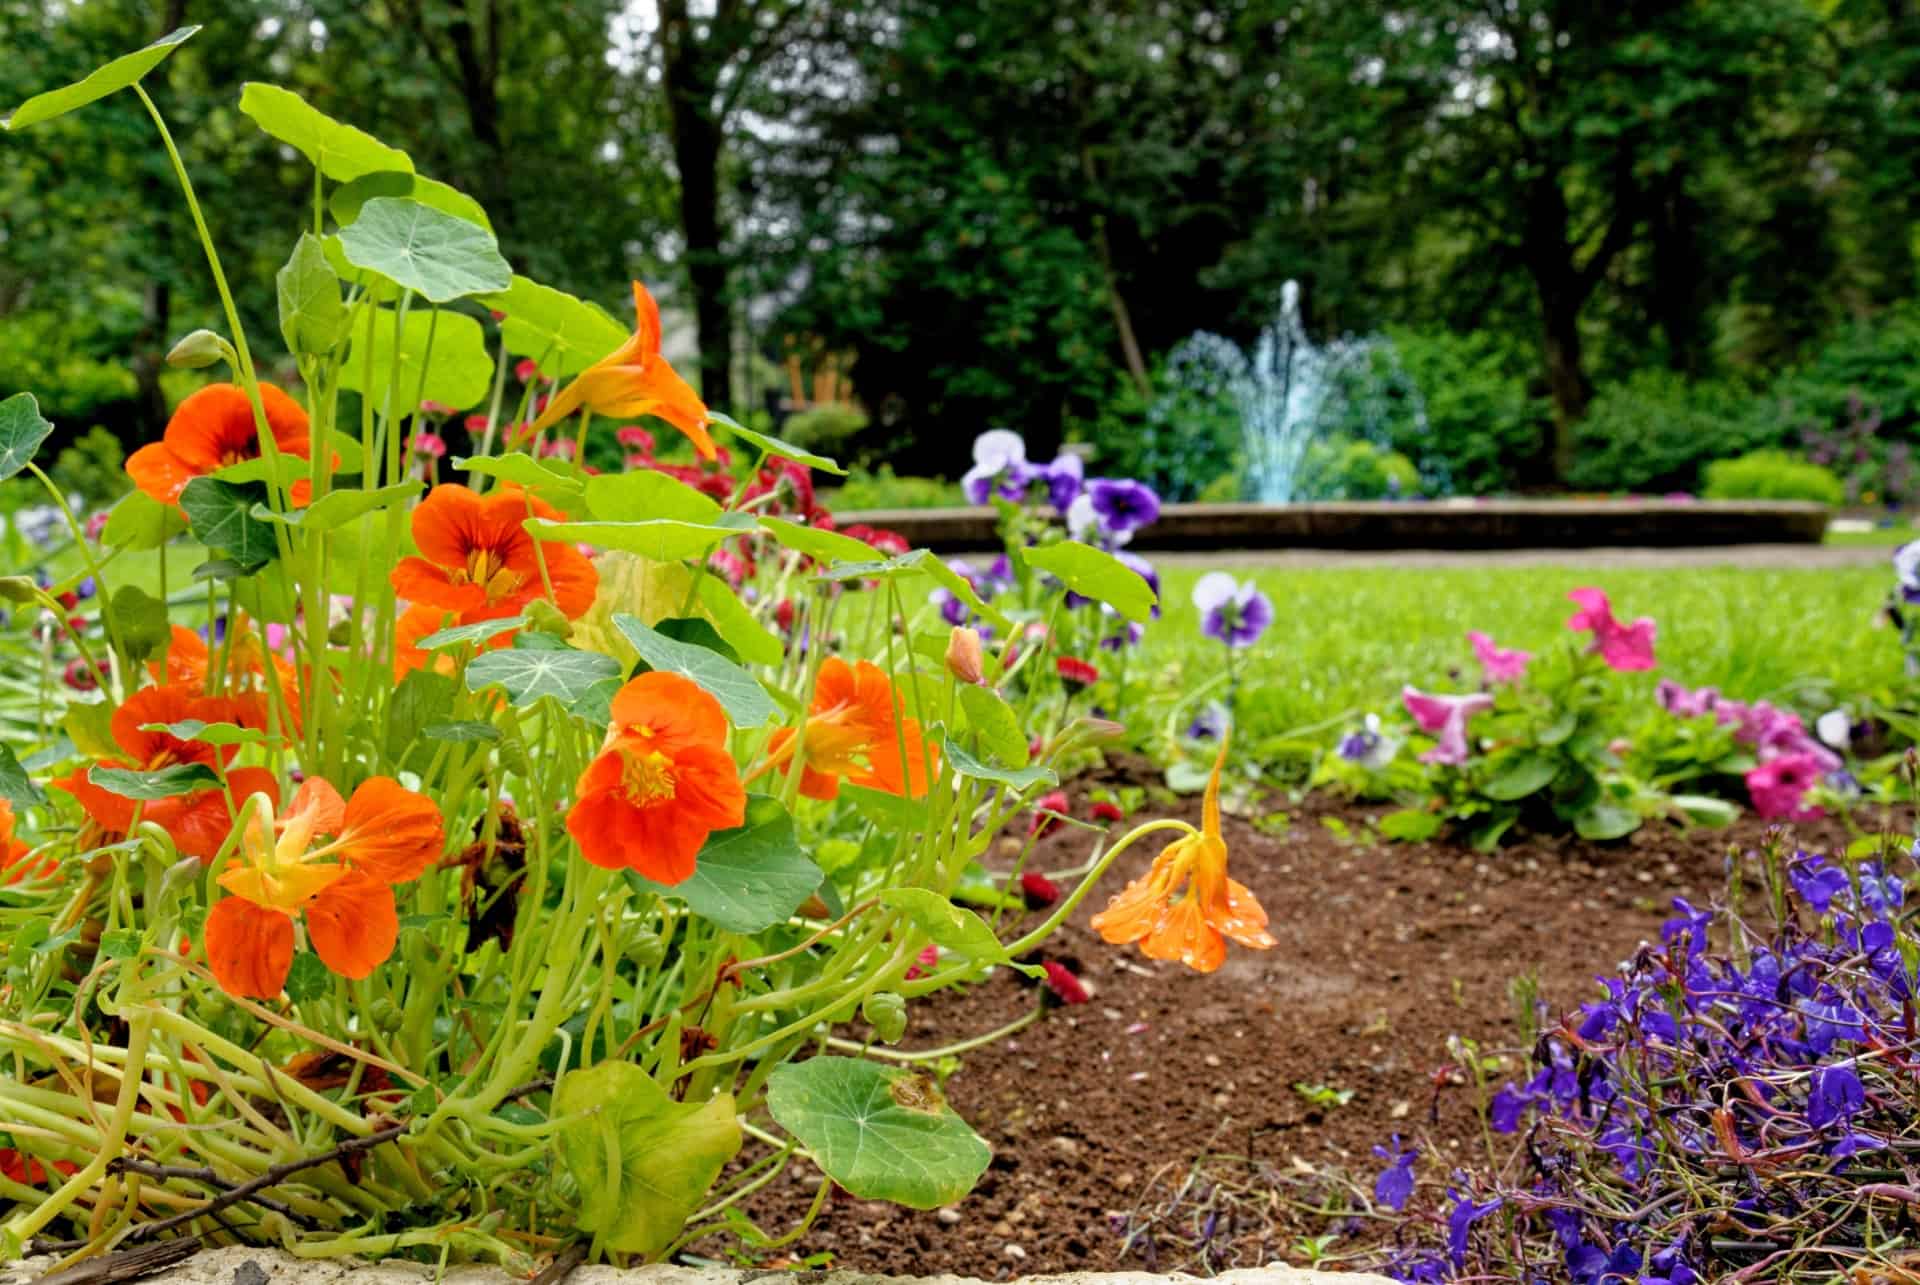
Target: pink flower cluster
point(1792, 759)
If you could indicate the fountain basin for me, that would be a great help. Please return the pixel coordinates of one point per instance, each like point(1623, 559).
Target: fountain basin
point(1411, 524)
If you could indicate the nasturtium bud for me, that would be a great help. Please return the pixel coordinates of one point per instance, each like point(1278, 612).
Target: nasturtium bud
point(386, 1014)
point(543, 617)
point(19, 589)
point(886, 1012)
point(964, 659)
point(647, 949)
point(201, 348)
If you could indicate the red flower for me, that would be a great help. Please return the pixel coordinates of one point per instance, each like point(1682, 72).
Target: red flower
point(1067, 988)
point(1037, 890)
point(635, 438)
point(1106, 810)
point(79, 675)
point(783, 615)
point(1076, 674)
point(924, 963)
point(1044, 824)
point(888, 542)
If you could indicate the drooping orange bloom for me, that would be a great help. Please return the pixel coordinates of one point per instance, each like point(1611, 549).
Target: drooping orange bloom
point(855, 732)
point(634, 379)
point(199, 822)
point(13, 852)
point(662, 782)
point(212, 429)
point(385, 834)
point(1194, 928)
point(244, 698)
point(476, 559)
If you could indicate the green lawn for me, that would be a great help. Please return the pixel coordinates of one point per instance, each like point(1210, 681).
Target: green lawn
point(1345, 639)
point(1889, 537)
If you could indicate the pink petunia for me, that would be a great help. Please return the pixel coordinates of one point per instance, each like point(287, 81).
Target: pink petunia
point(1444, 718)
point(1622, 647)
point(1499, 664)
point(1779, 786)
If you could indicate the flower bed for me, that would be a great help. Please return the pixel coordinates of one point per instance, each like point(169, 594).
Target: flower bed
point(529, 864)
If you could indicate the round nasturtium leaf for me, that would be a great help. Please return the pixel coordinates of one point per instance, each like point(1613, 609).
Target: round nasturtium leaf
point(882, 1132)
point(337, 150)
point(643, 1162)
point(450, 345)
point(437, 255)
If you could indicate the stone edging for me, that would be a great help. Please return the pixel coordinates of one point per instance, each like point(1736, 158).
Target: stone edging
point(1410, 524)
point(242, 1266)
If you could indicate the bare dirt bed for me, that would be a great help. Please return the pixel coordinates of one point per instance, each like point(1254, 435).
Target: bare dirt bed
point(1384, 952)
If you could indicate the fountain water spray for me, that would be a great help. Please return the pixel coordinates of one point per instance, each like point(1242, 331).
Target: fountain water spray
point(1291, 395)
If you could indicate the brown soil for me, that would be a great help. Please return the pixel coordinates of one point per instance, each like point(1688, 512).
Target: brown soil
point(1384, 952)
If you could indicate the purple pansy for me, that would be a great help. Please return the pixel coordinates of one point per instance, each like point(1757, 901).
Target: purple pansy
point(1233, 611)
point(1123, 505)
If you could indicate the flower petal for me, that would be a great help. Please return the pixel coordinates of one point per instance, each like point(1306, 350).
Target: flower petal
point(353, 926)
point(390, 832)
point(249, 948)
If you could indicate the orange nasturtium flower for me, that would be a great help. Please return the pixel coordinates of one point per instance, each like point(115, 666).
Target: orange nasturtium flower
point(244, 697)
point(662, 782)
point(13, 852)
point(199, 822)
point(856, 732)
point(1190, 929)
point(632, 380)
point(212, 429)
point(476, 559)
point(385, 834)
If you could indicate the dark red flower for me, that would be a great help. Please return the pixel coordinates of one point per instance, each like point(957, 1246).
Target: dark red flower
point(1044, 824)
point(783, 615)
point(1038, 890)
point(1077, 674)
point(1067, 988)
point(80, 676)
point(1106, 810)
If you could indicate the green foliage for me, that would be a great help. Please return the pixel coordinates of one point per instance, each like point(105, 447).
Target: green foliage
point(881, 488)
point(1868, 361)
point(825, 428)
point(1772, 475)
point(1344, 469)
point(1479, 425)
point(93, 467)
point(1656, 431)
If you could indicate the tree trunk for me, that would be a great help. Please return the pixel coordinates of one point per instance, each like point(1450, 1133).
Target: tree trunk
point(1678, 276)
point(1567, 380)
point(690, 75)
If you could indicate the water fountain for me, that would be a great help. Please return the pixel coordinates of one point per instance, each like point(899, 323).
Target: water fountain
point(1291, 396)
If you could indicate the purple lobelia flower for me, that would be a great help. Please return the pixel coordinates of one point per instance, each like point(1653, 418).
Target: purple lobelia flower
point(1123, 505)
point(1460, 1222)
point(1395, 1183)
point(1235, 612)
point(1834, 1095)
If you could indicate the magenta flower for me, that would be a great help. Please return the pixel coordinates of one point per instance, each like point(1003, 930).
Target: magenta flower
point(1445, 719)
point(429, 444)
point(1499, 664)
point(1779, 786)
point(1623, 647)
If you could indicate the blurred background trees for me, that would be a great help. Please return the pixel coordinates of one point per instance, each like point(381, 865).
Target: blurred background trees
point(1610, 242)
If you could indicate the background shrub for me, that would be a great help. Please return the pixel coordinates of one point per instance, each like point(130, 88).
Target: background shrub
point(881, 489)
point(1655, 432)
point(1772, 474)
